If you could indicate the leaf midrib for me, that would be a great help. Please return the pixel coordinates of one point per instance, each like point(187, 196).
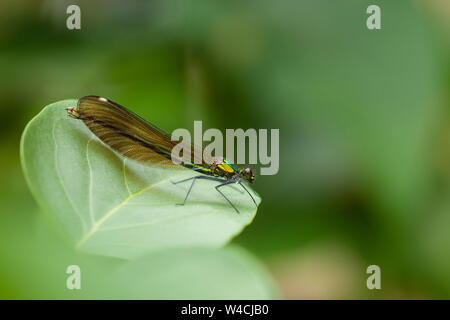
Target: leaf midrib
point(99, 222)
point(96, 224)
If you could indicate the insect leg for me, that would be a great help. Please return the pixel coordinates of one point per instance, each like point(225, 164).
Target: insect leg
point(192, 184)
point(248, 193)
point(224, 184)
point(184, 180)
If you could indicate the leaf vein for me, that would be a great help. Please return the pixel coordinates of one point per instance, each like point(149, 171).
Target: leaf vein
point(58, 174)
point(98, 223)
point(138, 225)
point(124, 169)
point(91, 213)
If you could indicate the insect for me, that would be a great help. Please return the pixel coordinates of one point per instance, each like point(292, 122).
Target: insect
point(137, 139)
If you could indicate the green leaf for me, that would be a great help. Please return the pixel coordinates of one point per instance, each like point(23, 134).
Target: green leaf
point(33, 264)
point(194, 273)
point(112, 206)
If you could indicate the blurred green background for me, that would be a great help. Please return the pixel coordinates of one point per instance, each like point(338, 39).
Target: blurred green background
point(364, 119)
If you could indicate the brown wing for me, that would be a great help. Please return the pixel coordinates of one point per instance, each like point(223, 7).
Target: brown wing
point(127, 133)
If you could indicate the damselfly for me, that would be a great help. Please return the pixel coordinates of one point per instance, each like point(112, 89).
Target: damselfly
point(137, 139)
